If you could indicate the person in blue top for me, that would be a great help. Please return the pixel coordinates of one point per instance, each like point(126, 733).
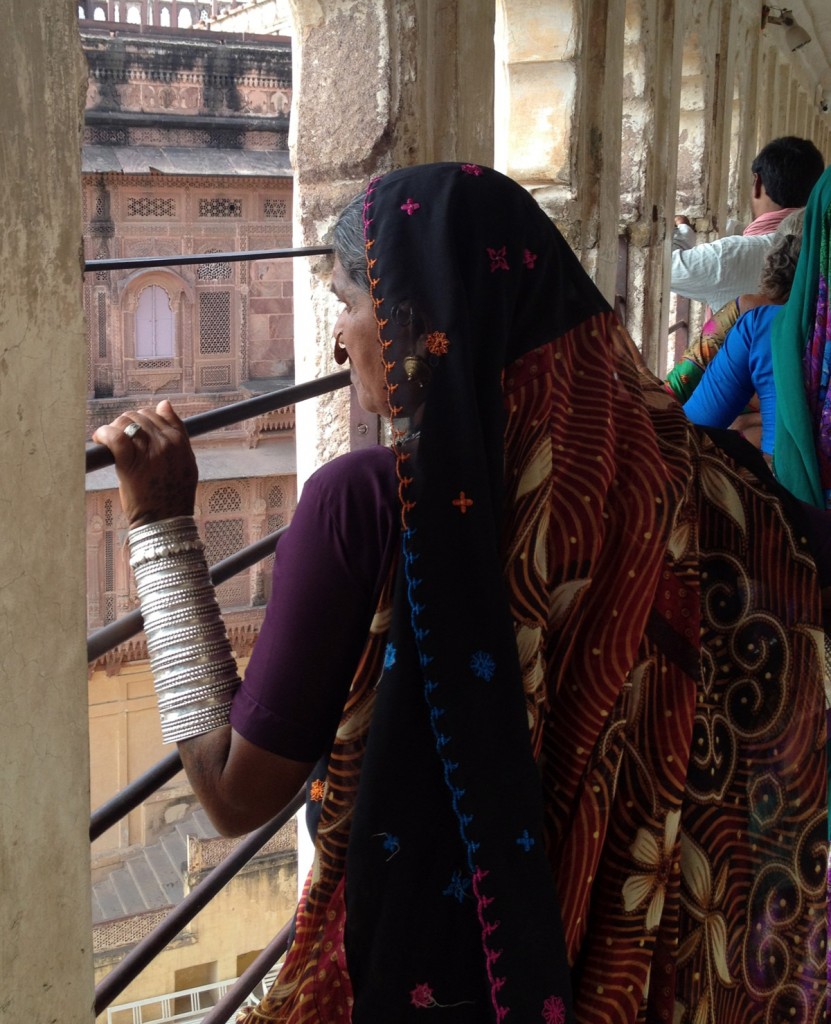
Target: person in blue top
point(783, 353)
point(743, 366)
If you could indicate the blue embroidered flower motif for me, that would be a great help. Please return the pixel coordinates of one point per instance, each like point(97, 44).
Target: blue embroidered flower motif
point(526, 841)
point(483, 665)
point(390, 843)
point(458, 887)
point(390, 655)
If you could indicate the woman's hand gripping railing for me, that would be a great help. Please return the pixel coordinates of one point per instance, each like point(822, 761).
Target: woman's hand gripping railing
point(98, 455)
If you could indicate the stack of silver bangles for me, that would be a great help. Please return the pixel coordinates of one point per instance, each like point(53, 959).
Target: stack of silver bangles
point(193, 669)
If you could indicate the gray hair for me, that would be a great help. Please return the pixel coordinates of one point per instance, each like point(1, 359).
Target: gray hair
point(792, 224)
point(348, 241)
point(780, 263)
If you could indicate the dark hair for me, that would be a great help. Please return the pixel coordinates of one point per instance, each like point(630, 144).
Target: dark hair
point(348, 241)
point(789, 168)
point(780, 263)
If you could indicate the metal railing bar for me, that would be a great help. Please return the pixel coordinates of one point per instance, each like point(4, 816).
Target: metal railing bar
point(119, 632)
point(133, 794)
point(242, 988)
point(197, 899)
point(146, 262)
point(99, 456)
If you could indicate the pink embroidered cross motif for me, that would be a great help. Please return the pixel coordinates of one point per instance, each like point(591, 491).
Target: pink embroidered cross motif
point(437, 343)
point(529, 259)
point(554, 1011)
point(410, 206)
point(462, 503)
point(473, 169)
point(499, 259)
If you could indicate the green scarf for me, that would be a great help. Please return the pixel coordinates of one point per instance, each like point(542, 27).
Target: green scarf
point(795, 459)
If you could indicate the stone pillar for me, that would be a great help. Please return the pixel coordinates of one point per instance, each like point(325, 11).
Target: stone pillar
point(598, 140)
point(652, 66)
point(378, 84)
point(558, 118)
point(46, 942)
point(767, 69)
point(748, 83)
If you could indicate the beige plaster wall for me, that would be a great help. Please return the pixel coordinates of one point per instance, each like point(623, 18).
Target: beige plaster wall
point(45, 943)
point(243, 918)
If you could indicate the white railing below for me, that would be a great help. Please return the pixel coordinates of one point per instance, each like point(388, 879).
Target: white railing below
point(162, 1009)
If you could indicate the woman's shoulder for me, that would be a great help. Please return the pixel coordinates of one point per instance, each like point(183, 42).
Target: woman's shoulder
point(759, 316)
point(366, 472)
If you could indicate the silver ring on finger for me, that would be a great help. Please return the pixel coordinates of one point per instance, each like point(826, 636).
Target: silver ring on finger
point(132, 429)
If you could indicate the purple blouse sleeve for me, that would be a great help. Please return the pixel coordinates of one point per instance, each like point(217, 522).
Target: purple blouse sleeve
point(328, 571)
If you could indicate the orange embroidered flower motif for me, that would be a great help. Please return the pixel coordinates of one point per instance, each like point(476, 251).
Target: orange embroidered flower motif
point(316, 790)
point(438, 343)
point(657, 860)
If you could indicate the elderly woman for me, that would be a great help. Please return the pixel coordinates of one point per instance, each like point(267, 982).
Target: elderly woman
point(556, 651)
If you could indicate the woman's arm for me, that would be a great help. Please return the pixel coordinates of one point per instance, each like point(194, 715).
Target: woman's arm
point(241, 786)
point(326, 581)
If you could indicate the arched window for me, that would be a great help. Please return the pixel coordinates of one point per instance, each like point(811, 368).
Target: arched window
point(99, 14)
point(154, 324)
point(81, 12)
point(185, 19)
point(133, 16)
point(165, 18)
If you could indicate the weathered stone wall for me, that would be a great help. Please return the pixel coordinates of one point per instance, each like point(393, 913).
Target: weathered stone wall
point(618, 114)
point(45, 947)
point(377, 85)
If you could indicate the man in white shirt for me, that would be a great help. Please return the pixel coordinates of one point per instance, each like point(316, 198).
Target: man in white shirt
point(784, 172)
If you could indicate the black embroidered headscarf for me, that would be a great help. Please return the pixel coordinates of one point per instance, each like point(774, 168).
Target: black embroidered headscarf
point(450, 898)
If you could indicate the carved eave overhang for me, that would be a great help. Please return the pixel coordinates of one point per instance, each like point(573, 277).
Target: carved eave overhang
point(160, 162)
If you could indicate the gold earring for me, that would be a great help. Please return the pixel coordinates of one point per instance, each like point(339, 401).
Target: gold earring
point(416, 370)
point(340, 349)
